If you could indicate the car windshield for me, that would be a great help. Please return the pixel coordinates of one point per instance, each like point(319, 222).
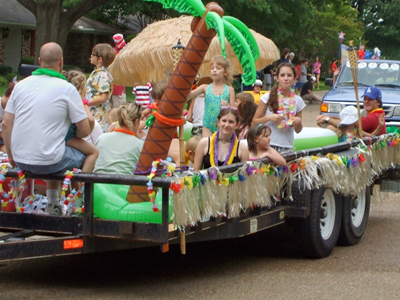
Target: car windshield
point(372, 73)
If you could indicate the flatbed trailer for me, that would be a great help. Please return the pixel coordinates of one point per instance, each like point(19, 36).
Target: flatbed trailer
point(321, 218)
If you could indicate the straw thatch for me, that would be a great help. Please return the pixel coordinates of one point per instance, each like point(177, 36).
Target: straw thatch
point(148, 57)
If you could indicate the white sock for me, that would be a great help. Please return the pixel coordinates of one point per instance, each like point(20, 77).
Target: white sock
point(52, 196)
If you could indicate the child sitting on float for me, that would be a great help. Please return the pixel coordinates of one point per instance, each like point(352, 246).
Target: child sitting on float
point(78, 80)
point(120, 149)
point(346, 126)
point(258, 140)
point(223, 147)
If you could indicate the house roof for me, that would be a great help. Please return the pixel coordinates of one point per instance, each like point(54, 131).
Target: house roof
point(13, 13)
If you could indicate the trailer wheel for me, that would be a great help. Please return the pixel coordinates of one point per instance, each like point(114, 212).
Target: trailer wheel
point(319, 232)
point(354, 218)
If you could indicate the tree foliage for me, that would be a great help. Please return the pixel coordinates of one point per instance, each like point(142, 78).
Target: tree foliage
point(53, 22)
point(381, 19)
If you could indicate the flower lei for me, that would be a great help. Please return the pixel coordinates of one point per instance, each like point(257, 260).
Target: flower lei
point(73, 195)
point(351, 134)
point(150, 189)
point(214, 150)
point(281, 108)
point(15, 187)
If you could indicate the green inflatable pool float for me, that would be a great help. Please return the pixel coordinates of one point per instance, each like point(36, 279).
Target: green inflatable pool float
point(110, 204)
point(314, 137)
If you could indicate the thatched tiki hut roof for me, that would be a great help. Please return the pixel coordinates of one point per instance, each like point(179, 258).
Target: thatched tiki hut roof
point(148, 57)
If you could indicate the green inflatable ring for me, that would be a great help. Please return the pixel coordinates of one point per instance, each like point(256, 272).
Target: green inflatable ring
point(110, 204)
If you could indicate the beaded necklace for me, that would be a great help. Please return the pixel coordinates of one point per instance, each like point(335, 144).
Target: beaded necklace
point(214, 150)
point(287, 116)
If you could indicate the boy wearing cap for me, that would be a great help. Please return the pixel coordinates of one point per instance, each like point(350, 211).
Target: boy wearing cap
point(307, 91)
point(257, 91)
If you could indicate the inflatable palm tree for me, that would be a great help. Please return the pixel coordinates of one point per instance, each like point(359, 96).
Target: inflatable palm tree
point(208, 21)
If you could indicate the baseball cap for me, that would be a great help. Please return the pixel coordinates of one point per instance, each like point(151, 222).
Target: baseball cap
point(258, 82)
point(313, 78)
point(373, 92)
point(348, 115)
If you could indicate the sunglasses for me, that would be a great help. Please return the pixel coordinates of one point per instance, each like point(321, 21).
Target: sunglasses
point(94, 54)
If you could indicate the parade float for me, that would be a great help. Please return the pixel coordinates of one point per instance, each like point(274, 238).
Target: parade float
point(324, 192)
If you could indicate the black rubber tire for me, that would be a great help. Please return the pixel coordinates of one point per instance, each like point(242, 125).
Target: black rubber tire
point(354, 222)
point(316, 240)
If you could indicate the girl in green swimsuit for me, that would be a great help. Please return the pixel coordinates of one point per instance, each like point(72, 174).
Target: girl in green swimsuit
point(217, 93)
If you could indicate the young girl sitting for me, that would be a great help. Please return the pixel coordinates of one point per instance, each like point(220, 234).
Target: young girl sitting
point(258, 140)
point(217, 93)
point(78, 79)
point(247, 108)
point(223, 148)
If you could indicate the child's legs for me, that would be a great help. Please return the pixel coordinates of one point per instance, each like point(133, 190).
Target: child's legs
point(86, 148)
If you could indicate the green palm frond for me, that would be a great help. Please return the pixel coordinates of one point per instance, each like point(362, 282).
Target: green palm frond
point(213, 20)
point(193, 7)
point(244, 30)
point(242, 51)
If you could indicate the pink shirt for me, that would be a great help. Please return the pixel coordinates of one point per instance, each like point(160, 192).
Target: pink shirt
point(317, 67)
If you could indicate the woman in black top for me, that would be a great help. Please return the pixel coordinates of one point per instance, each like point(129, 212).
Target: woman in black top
point(223, 147)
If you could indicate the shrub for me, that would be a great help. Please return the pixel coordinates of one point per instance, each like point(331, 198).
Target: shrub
point(4, 70)
point(3, 81)
point(10, 76)
point(28, 60)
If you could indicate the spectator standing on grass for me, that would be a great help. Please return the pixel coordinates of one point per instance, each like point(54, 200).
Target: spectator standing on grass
point(317, 70)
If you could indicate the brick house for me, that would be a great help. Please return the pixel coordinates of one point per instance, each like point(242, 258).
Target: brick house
point(17, 36)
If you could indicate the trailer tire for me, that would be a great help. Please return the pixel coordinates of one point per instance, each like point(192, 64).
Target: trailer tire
point(318, 233)
point(354, 218)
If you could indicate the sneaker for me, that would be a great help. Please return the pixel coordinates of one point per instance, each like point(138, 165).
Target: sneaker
point(53, 209)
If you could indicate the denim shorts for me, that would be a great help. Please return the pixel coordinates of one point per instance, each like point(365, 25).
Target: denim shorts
point(72, 159)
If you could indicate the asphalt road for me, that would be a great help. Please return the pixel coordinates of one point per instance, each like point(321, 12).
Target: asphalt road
point(264, 265)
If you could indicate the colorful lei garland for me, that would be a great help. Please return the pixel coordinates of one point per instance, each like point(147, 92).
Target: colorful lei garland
point(282, 111)
point(214, 150)
point(150, 189)
point(73, 196)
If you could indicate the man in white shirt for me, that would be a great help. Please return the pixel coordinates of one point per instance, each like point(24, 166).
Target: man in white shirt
point(36, 121)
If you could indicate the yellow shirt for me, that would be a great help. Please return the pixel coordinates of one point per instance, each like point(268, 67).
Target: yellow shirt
point(256, 97)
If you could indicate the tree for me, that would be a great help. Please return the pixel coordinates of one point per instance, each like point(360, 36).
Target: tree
point(381, 19)
point(53, 22)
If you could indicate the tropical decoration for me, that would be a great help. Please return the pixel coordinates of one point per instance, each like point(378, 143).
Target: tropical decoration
point(171, 106)
point(212, 193)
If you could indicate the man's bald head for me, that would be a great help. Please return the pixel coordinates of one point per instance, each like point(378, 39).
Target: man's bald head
point(50, 56)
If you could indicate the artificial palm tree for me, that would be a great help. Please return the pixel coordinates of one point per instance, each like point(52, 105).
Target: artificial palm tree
point(208, 21)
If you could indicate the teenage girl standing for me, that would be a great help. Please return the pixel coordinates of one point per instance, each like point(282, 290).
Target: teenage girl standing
point(281, 110)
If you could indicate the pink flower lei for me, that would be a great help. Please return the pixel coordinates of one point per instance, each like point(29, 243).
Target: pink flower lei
point(287, 117)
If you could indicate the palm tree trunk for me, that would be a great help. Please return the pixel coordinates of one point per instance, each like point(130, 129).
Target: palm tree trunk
point(172, 103)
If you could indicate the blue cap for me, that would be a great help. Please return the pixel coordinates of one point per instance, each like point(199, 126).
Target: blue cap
point(373, 92)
